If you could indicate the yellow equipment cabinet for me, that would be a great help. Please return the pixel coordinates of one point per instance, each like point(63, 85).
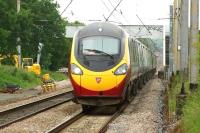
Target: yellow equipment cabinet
point(36, 69)
point(27, 63)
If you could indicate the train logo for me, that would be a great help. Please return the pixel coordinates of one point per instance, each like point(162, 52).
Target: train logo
point(98, 80)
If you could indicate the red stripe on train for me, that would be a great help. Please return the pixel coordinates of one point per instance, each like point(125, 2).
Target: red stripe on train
point(81, 91)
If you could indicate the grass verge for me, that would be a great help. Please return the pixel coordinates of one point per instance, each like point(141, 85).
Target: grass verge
point(191, 109)
point(12, 75)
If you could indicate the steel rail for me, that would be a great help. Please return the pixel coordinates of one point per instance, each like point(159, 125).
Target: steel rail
point(21, 112)
point(66, 123)
point(113, 117)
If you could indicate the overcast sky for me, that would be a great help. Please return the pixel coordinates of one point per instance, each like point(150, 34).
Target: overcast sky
point(148, 10)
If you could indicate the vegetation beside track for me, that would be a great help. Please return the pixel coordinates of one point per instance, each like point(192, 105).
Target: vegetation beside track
point(191, 113)
point(12, 75)
point(173, 91)
point(190, 120)
point(191, 110)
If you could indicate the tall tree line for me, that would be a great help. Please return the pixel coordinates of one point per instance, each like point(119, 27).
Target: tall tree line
point(37, 21)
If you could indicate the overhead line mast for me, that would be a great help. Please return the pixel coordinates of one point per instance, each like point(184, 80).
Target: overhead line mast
point(194, 48)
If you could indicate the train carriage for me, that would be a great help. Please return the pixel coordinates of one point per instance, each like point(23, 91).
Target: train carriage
point(107, 66)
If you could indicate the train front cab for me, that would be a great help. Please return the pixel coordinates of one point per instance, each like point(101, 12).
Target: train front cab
point(103, 87)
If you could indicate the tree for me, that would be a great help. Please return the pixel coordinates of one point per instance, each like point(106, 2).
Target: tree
point(37, 21)
point(8, 20)
point(48, 28)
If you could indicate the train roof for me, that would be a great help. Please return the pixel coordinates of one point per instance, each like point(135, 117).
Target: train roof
point(101, 28)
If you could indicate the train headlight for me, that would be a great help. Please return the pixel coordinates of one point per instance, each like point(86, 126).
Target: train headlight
point(76, 70)
point(121, 69)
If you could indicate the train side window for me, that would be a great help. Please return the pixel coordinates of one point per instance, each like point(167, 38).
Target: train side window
point(136, 53)
point(130, 49)
point(139, 51)
point(141, 61)
point(133, 48)
point(140, 54)
point(133, 45)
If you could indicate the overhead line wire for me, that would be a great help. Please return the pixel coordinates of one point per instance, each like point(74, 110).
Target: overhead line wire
point(66, 7)
point(143, 24)
point(109, 11)
point(120, 12)
point(105, 5)
point(114, 10)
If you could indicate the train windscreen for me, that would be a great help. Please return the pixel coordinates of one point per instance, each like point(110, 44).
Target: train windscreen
point(100, 45)
point(103, 49)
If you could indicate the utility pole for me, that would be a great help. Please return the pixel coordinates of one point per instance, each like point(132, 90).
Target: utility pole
point(184, 41)
point(18, 38)
point(194, 24)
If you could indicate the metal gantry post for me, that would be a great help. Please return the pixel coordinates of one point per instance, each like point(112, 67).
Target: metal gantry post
point(184, 39)
point(194, 40)
point(170, 42)
point(176, 37)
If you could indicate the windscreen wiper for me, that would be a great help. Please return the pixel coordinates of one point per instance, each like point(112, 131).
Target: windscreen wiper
point(100, 52)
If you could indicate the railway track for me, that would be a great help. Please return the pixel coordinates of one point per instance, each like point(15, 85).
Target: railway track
point(113, 117)
point(66, 123)
point(24, 111)
point(72, 120)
